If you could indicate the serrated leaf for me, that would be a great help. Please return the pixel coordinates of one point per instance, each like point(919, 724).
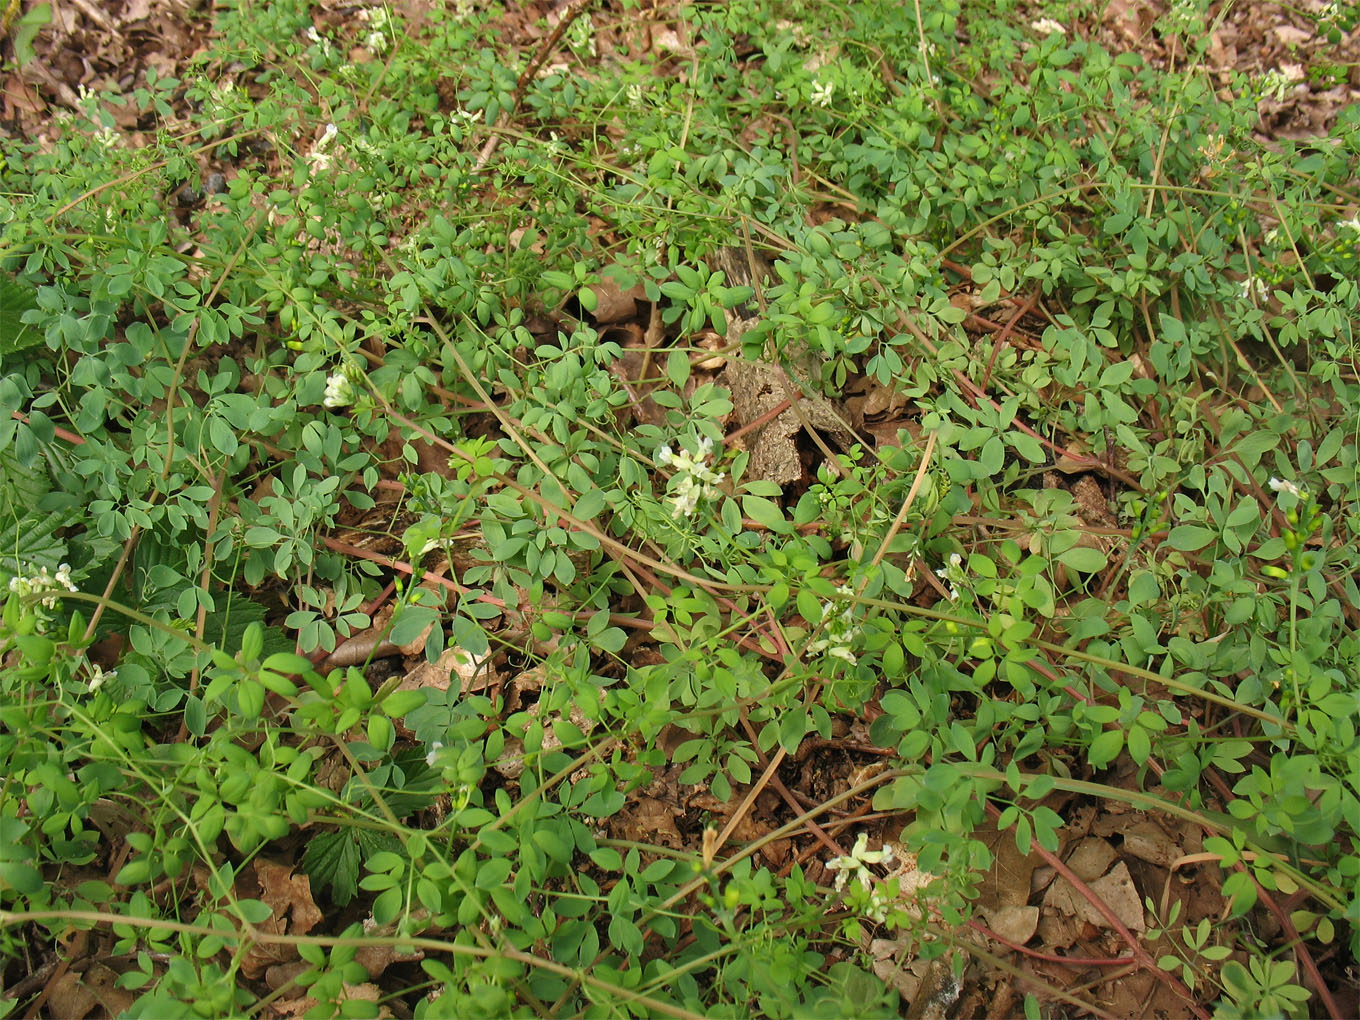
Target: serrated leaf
point(332, 860)
point(21, 486)
point(15, 299)
point(31, 545)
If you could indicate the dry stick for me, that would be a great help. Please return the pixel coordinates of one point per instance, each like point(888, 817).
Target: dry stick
point(214, 507)
point(133, 175)
point(1027, 977)
point(1067, 961)
point(573, 11)
point(921, 470)
point(788, 796)
point(1006, 330)
point(57, 430)
point(62, 967)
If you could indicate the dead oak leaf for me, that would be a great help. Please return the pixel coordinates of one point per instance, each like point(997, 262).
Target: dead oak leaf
point(293, 912)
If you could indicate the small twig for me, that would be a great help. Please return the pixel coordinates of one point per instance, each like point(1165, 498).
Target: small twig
point(214, 507)
point(921, 470)
point(999, 340)
point(1067, 961)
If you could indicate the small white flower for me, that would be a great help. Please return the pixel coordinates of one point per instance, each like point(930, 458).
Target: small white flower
point(339, 391)
point(857, 861)
point(822, 93)
point(952, 574)
point(841, 630)
point(881, 899)
point(319, 159)
point(1277, 82)
point(375, 16)
point(1253, 287)
point(1281, 485)
point(98, 678)
point(1047, 26)
point(1351, 224)
point(694, 480)
point(433, 756)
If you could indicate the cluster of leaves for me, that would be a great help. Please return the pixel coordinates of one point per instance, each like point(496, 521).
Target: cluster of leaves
point(198, 401)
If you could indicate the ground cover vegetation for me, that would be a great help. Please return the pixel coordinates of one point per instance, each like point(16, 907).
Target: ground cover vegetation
point(688, 510)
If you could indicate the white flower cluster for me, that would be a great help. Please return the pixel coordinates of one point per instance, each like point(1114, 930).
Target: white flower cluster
point(379, 23)
point(1278, 81)
point(339, 391)
point(694, 479)
point(841, 630)
point(319, 40)
point(107, 138)
point(1047, 26)
point(1254, 287)
point(319, 159)
point(44, 581)
point(822, 93)
point(1351, 224)
point(856, 862)
point(952, 574)
point(1294, 489)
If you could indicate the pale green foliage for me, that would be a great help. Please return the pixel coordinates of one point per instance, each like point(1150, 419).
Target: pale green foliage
point(201, 412)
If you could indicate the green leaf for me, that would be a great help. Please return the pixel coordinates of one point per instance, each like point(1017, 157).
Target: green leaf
point(25, 30)
point(21, 486)
point(399, 704)
point(1105, 748)
point(1247, 512)
point(410, 622)
point(1139, 744)
point(1027, 446)
point(1082, 558)
point(31, 545)
point(1143, 587)
point(1190, 537)
point(766, 513)
point(332, 860)
point(254, 911)
point(677, 368)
